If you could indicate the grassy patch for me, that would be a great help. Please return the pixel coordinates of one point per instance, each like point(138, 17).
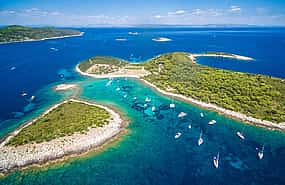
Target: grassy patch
point(64, 120)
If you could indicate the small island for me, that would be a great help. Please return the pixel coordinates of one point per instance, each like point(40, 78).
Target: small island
point(252, 98)
point(71, 127)
point(16, 33)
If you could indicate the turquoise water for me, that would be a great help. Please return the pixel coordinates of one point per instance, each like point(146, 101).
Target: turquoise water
point(148, 154)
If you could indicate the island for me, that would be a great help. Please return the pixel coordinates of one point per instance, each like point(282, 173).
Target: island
point(251, 98)
point(16, 33)
point(69, 128)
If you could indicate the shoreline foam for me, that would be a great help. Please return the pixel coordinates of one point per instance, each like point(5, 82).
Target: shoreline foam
point(13, 158)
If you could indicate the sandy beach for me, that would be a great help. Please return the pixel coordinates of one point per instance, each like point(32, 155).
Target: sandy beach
point(63, 87)
point(12, 157)
point(50, 38)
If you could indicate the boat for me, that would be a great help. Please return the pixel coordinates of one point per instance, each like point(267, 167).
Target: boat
point(147, 99)
point(201, 115)
point(109, 83)
point(118, 89)
point(212, 122)
point(54, 49)
point(216, 160)
point(177, 135)
point(32, 98)
point(125, 95)
point(135, 98)
point(200, 140)
point(182, 114)
point(189, 126)
point(145, 105)
point(153, 108)
point(240, 135)
point(13, 68)
point(24, 94)
point(172, 105)
point(260, 153)
point(121, 39)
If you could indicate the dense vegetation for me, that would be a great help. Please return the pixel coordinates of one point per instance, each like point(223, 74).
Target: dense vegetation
point(64, 120)
point(114, 62)
point(22, 33)
point(254, 95)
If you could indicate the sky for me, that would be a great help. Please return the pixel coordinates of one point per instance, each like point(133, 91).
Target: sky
point(137, 12)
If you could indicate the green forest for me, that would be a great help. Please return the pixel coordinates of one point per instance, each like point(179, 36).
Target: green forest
point(255, 95)
point(64, 120)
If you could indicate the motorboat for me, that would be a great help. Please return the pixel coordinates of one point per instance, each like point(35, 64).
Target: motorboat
point(182, 114)
point(177, 135)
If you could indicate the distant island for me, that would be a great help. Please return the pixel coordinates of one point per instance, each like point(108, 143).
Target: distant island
point(16, 33)
point(71, 127)
point(252, 98)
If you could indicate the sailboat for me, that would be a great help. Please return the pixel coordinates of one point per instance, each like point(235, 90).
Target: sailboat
point(153, 108)
point(147, 99)
point(172, 105)
point(182, 114)
point(260, 153)
point(212, 122)
point(200, 140)
point(240, 135)
point(216, 160)
point(177, 135)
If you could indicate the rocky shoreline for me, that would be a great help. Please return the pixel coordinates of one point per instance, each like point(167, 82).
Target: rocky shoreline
point(12, 157)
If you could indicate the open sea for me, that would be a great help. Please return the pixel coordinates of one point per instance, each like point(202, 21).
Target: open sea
point(148, 153)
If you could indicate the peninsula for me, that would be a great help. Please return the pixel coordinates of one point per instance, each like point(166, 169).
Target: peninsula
point(252, 98)
point(71, 127)
point(17, 33)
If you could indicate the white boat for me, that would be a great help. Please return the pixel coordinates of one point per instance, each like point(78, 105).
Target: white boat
point(177, 135)
point(135, 98)
point(125, 95)
point(260, 153)
point(153, 108)
point(24, 94)
point(145, 105)
point(161, 39)
point(147, 99)
point(32, 98)
point(172, 105)
point(13, 68)
point(109, 83)
point(189, 126)
point(118, 88)
point(54, 49)
point(182, 114)
point(212, 122)
point(216, 160)
point(200, 140)
point(121, 39)
point(201, 115)
point(240, 135)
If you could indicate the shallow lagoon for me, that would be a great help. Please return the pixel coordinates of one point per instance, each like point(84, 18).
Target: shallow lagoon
point(148, 154)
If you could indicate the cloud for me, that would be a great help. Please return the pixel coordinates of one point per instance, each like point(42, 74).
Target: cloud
point(177, 12)
point(235, 9)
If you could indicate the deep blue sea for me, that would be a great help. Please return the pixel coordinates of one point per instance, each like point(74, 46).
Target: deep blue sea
point(148, 154)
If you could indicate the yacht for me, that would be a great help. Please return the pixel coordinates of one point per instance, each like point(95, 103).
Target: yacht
point(172, 105)
point(260, 153)
point(216, 160)
point(24, 94)
point(200, 140)
point(212, 122)
point(32, 98)
point(177, 135)
point(147, 99)
point(201, 115)
point(182, 114)
point(240, 135)
point(189, 126)
point(153, 108)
